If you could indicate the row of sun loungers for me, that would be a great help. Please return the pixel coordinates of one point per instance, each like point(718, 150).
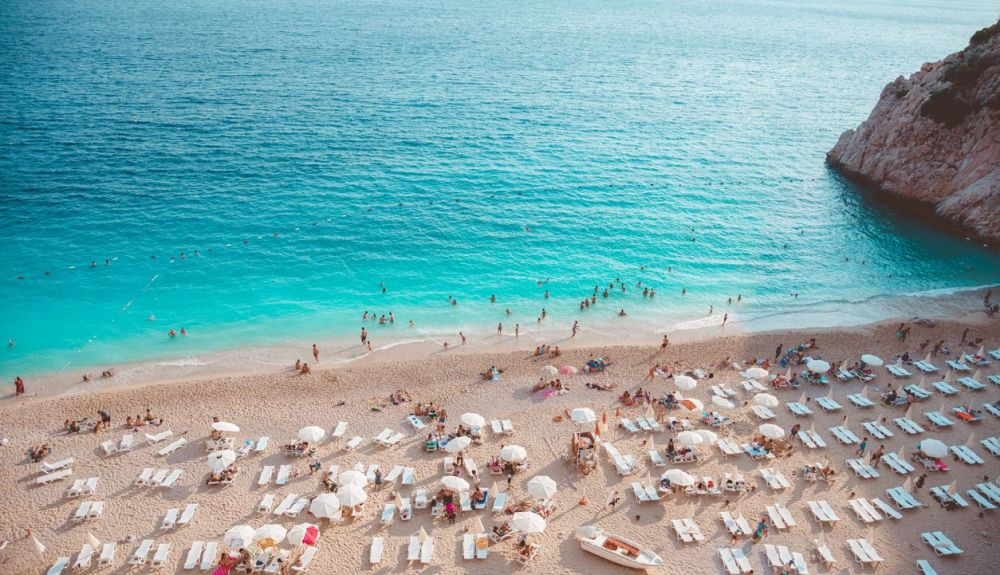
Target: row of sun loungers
point(811, 439)
point(123, 446)
point(85, 557)
point(171, 519)
point(158, 477)
point(780, 516)
point(779, 556)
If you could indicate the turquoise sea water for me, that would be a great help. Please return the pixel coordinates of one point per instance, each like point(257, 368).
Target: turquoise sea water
point(300, 152)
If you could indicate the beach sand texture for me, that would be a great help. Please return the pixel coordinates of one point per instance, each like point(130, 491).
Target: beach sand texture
point(278, 405)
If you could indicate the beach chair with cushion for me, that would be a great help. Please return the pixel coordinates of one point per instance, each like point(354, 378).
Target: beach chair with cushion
point(941, 494)
point(945, 387)
point(160, 557)
point(971, 384)
point(59, 566)
point(860, 401)
point(141, 552)
point(877, 430)
point(957, 366)
point(940, 543)
point(938, 420)
point(376, 551)
point(908, 425)
point(84, 557)
point(967, 455)
point(827, 404)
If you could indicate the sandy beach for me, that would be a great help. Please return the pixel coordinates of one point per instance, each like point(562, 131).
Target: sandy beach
point(277, 405)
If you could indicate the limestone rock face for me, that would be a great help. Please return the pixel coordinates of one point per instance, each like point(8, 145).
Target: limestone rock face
point(934, 138)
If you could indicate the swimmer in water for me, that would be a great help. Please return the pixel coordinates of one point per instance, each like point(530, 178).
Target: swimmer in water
point(508, 312)
point(622, 313)
point(172, 333)
point(150, 317)
point(183, 331)
point(493, 299)
point(576, 328)
point(684, 291)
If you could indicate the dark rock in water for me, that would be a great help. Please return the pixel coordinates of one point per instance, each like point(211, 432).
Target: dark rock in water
point(933, 139)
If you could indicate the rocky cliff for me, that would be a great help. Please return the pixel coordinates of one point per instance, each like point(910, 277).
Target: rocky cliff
point(933, 140)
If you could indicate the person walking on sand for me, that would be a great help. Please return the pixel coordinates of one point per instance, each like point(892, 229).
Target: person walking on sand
point(517, 330)
point(861, 448)
point(664, 343)
point(18, 386)
point(576, 328)
point(651, 374)
point(315, 353)
point(613, 499)
point(462, 335)
point(877, 455)
point(920, 482)
point(777, 351)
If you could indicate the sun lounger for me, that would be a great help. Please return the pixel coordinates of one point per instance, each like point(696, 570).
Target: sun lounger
point(420, 499)
point(464, 501)
point(827, 404)
point(388, 513)
point(844, 435)
point(994, 379)
point(209, 555)
point(656, 459)
point(983, 503)
point(990, 408)
point(967, 455)
point(389, 440)
point(160, 557)
point(925, 567)
point(722, 391)
point(76, 489)
point(139, 555)
point(756, 452)
point(991, 491)
point(860, 401)
point(107, 554)
point(158, 437)
point(286, 504)
point(302, 565)
point(415, 422)
point(187, 515)
point(499, 502)
point(925, 366)
point(752, 386)
point(908, 425)
point(902, 498)
point(82, 511)
point(898, 371)
point(823, 554)
point(58, 567)
point(957, 366)
point(297, 507)
point(170, 519)
point(877, 430)
point(354, 443)
point(774, 479)
point(370, 473)
point(886, 509)
point(940, 543)
point(643, 424)
point(728, 447)
point(687, 530)
point(470, 466)
point(862, 469)
point(861, 554)
point(145, 476)
point(177, 444)
point(735, 525)
point(283, 474)
point(798, 409)
point(393, 474)
point(158, 477)
point(897, 464)
point(194, 555)
point(265, 475)
point(376, 551)
point(109, 448)
point(971, 384)
point(55, 476)
point(57, 465)
point(266, 503)
point(940, 493)
point(823, 513)
point(427, 551)
point(945, 387)
point(729, 562)
point(172, 479)
point(917, 392)
point(938, 420)
point(762, 412)
point(992, 444)
point(864, 510)
point(628, 425)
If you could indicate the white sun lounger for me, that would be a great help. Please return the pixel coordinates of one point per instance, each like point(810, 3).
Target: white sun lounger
point(898, 371)
point(687, 530)
point(728, 447)
point(780, 516)
point(762, 412)
point(957, 366)
point(170, 519)
point(57, 465)
point(900, 466)
point(76, 489)
point(992, 444)
point(937, 420)
point(375, 553)
point(107, 554)
point(413, 549)
point(733, 567)
point(735, 526)
point(990, 491)
point(58, 567)
point(628, 425)
point(917, 391)
point(945, 387)
point(302, 565)
point(354, 443)
point(940, 543)
point(827, 404)
point(862, 469)
point(990, 408)
point(863, 552)
point(109, 448)
point(160, 557)
point(177, 444)
point(823, 513)
point(187, 515)
point(908, 425)
point(983, 503)
point(393, 474)
point(283, 474)
point(798, 409)
point(145, 476)
point(656, 459)
point(886, 508)
point(139, 555)
point(286, 503)
point(388, 514)
point(427, 551)
point(172, 479)
point(499, 502)
point(56, 476)
point(297, 507)
point(971, 384)
point(370, 474)
point(194, 555)
point(265, 475)
point(925, 366)
point(774, 479)
point(266, 503)
point(860, 401)
point(865, 511)
point(844, 435)
point(967, 455)
point(82, 511)
point(158, 437)
point(209, 555)
point(902, 498)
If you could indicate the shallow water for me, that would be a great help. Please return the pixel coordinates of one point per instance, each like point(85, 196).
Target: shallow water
point(300, 153)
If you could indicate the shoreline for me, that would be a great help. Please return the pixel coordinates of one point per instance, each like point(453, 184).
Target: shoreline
point(949, 303)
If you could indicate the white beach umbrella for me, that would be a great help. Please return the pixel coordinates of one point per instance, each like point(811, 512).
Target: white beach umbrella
point(765, 400)
point(550, 371)
point(771, 430)
point(690, 438)
point(708, 435)
point(933, 448)
point(271, 531)
point(818, 365)
point(457, 444)
point(311, 434)
point(513, 453)
point(225, 426)
point(325, 505)
point(678, 477)
point(472, 420)
point(351, 477)
point(238, 536)
point(455, 483)
point(722, 402)
point(582, 415)
point(981, 352)
point(685, 383)
point(757, 372)
point(872, 360)
point(542, 487)
point(351, 495)
point(219, 460)
point(528, 522)
point(477, 526)
point(303, 534)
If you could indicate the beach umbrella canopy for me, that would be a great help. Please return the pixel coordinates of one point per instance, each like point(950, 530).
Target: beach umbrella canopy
point(269, 535)
point(238, 536)
point(542, 487)
point(513, 453)
point(472, 420)
point(685, 383)
point(567, 370)
point(351, 495)
point(722, 402)
point(312, 433)
point(933, 448)
point(455, 483)
point(477, 526)
point(303, 534)
point(219, 460)
point(549, 371)
point(225, 426)
point(582, 415)
point(771, 430)
point(38, 545)
point(528, 522)
point(691, 404)
point(765, 400)
point(756, 372)
point(678, 477)
point(689, 438)
point(818, 365)
point(708, 435)
point(872, 359)
point(351, 477)
point(457, 444)
point(325, 505)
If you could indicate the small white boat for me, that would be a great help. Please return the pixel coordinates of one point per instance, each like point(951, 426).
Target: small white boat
point(617, 549)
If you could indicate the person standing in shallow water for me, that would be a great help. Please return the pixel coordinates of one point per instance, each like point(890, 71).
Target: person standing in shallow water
point(315, 352)
point(364, 336)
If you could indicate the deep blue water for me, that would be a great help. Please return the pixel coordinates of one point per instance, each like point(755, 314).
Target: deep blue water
point(300, 152)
